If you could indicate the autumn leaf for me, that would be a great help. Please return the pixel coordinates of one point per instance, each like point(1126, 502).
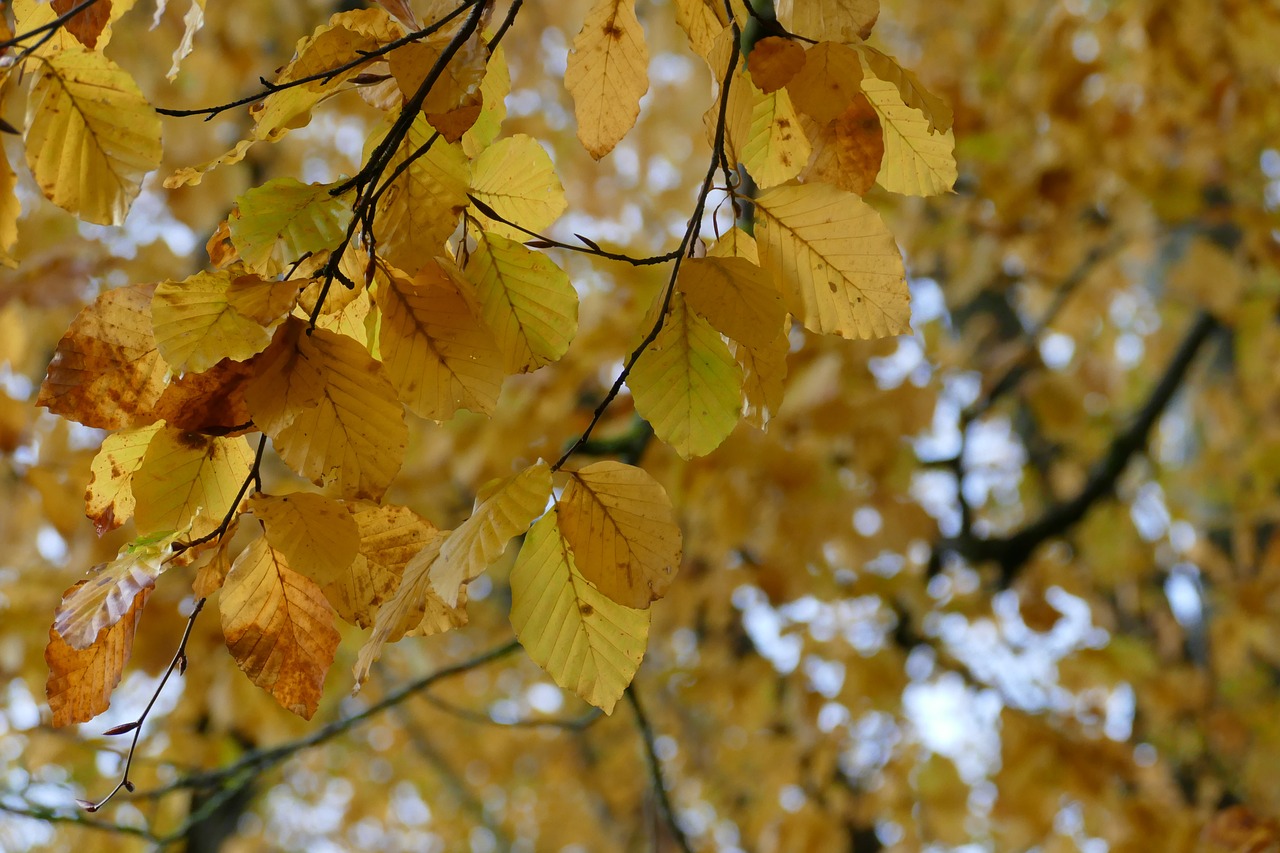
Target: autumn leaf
point(284, 219)
point(763, 370)
point(735, 296)
point(10, 210)
point(109, 500)
point(81, 680)
point(910, 89)
point(701, 21)
point(838, 265)
point(88, 23)
point(607, 73)
point(331, 415)
point(110, 592)
point(196, 326)
point(439, 355)
point(317, 535)
point(587, 643)
point(278, 627)
point(686, 384)
point(847, 21)
point(454, 101)
point(917, 161)
point(619, 522)
point(107, 372)
point(504, 508)
point(526, 300)
point(773, 62)
point(515, 178)
point(764, 133)
point(189, 481)
point(849, 150)
point(192, 23)
point(91, 135)
point(493, 93)
point(829, 81)
point(390, 536)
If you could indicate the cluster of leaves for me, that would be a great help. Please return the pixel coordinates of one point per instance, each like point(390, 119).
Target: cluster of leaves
point(328, 309)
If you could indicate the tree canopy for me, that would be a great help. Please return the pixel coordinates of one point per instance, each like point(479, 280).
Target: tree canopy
point(639, 424)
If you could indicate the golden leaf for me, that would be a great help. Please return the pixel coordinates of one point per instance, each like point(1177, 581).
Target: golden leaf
point(838, 265)
point(828, 82)
point(619, 522)
point(504, 508)
point(526, 300)
point(389, 538)
point(438, 353)
point(764, 133)
point(454, 101)
point(282, 220)
point(763, 369)
point(109, 498)
point(774, 61)
point(702, 21)
point(91, 135)
point(687, 386)
point(829, 20)
point(189, 481)
point(316, 535)
point(81, 680)
point(196, 326)
point(517, 180)
point(493, 93)
point(607, 73)
point(106, 371)
point(849, 150)
point(329, 411)
point(192, 23)
point(278, 627)
point(916, 161)
point(10, 210)
point(264, 301)
point(910, 89)
point(586, 642)
point(735, 296)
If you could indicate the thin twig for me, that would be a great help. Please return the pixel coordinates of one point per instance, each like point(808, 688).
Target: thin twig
point(254, 476)
point(48, 29)
point(49, 815)
point(655, 771)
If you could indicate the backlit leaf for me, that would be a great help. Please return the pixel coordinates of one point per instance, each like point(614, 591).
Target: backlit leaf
point(109, 593)
point(516, 178)
point(390, 536)
point(849, 150)
point(608, 72)
point(735, 296)
point(439, 355)
point(686, 384)
point(330, 413)
point(196, 326)
point(107, 372)
point(493, 92)
point(774, 61)
point(284, 219)
point(910, 89)
point(763, 369)
point(764, 133)
point(619, 522)
point(916, 161)
point(278, 627)
point(504, 508)
point(838, 265)
point(189, 480)
point(10, 210)
point(81, 680)
point(317, 535)
point(527, 301)
point(91, 135)
point(829, 20)
point(828, 82)
point(586, 642)
point(109, 498)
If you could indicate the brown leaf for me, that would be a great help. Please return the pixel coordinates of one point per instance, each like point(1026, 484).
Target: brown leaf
point(81, 680)
point(773, 62)
point(847, 152)
point(209, 403)
point(87, 24)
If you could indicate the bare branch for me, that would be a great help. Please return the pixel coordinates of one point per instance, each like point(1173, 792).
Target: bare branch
point(655, 771)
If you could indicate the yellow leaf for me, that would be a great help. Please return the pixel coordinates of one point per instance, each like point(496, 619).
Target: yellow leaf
point(527, 301)
point(764, 133)
point(607, 73)
point(454, 100)
point(10, 210)
point(702, 21)
point(30, 14)
point(686, 384)
point(389, 538)
point(108, 502)
point(414, 604)
point(735, 296)
point(317, 535)
point(504, 508)
point(213, 574)
point(829, 20)
point(763, 369)
point(278, 627)
point(911, 90)
point(282, 220)
point(329, 411)
point(196, 326)
point(111, 589)
point(619, 522)
point(838, 265)
point(106, 371)
point(189, 480)
point(493, 92)
point(264, 301)
point(420, 210)
point(735, 243)
point(192, 22)
point(828, 82)
point(586, 642)
point(516, 178)
point(91, 135)
point(916, 161)
point(81, 680)
point(439, 355)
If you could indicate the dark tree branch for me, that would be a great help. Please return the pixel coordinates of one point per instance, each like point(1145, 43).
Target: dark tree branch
point(655, 771)
point(47, 29)
point(1012, 552)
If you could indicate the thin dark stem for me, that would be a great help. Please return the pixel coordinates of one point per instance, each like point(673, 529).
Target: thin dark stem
point(48, 29)
point(655, 771)
point(686, 247)
point(254, 476)
point(210, 112)
point(264, 758)
point(179, 661)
